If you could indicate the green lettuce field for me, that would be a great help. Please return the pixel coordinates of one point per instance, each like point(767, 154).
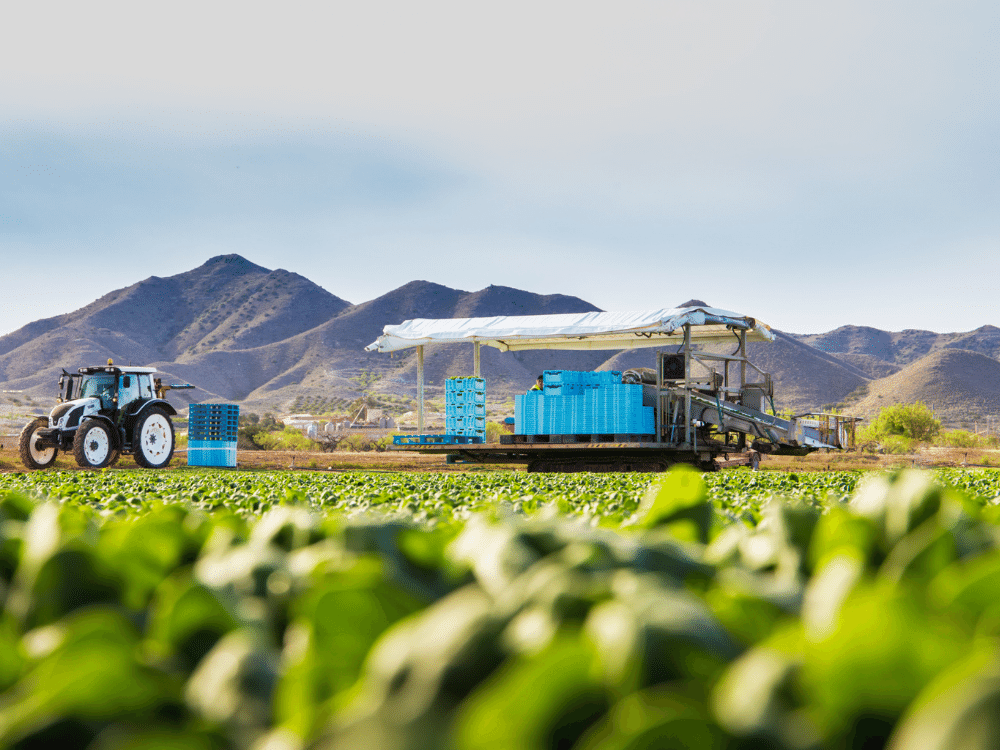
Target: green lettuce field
point(376, 610)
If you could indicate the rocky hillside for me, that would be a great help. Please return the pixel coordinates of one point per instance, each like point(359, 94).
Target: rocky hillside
point(960, 387)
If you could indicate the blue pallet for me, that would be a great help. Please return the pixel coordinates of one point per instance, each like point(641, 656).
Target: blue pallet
point(435, 439)
point(212, 437)
point(211, 453)
point(213, 410)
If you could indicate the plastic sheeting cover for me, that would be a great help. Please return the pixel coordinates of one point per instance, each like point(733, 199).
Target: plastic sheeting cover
point(596, 330)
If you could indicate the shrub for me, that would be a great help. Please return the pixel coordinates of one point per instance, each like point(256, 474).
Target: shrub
point(385, 441)
point(288, 439)
point(897, 444)
point(959, 439)
point(251, 426)
point(357, 442)
point(913, 421)
point(493, 432)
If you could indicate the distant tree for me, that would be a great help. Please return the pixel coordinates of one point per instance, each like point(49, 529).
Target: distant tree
point(914, 421)
point(253, 429)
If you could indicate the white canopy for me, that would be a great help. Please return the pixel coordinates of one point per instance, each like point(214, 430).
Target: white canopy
point(597, 330)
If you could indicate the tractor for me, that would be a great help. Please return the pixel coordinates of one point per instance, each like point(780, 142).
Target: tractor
point(102, 413)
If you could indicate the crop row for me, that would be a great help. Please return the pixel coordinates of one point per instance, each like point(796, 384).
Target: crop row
point(611, 498)
point(219, 611)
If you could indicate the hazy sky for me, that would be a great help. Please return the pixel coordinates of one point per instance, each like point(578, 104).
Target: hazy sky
point(812, 164)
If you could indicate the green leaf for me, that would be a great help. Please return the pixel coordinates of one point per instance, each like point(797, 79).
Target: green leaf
point(534, 703)
point(679, 502)
point(659, 718)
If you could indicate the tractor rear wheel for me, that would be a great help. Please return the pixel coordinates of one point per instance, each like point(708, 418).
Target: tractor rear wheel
point(93, 445)
point(32, 455)
point(153, 439)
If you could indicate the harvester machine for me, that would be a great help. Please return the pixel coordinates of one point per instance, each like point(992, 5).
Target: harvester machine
point(696, 406)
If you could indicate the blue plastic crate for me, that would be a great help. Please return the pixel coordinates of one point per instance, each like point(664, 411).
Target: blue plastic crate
point(213, 411)
point(608, 377)
point(559, 377)
point(566, 389)
point(211, 453)
point(528, 410)
point(213, 423)
point(465, 384)
point(471, 423)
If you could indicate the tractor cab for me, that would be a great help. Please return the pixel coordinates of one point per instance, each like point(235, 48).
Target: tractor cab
point(110, 391)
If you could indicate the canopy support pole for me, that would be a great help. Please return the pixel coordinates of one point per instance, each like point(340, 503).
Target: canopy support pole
point(475, 358)
point(420, 390)
point(687, 385)
point(659, 396)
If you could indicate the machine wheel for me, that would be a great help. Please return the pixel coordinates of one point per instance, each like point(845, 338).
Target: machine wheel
point(31, 455)
point(93, 445)
point(153, 439)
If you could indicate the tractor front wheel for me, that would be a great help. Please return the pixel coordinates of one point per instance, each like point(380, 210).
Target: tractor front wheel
point(153, 439)
point(93, 445)
point(33, 455)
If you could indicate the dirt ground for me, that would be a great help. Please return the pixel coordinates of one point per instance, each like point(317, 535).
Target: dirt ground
point(276, 460)
point(406, 461)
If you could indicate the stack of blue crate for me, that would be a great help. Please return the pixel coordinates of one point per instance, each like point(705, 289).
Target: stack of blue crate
point(583, 403)
point(212, 432)
point(527, 413)
point(465, 407)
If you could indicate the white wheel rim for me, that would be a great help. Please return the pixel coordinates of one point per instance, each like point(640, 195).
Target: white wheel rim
point(156, 439)
point(40, 455)
point(96, 446)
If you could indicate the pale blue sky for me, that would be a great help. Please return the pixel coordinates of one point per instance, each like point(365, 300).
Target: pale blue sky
point(813, 165)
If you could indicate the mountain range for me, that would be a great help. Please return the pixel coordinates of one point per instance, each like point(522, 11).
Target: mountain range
point(272, 339)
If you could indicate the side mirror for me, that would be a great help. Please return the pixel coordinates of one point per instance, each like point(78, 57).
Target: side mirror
point(126, 381)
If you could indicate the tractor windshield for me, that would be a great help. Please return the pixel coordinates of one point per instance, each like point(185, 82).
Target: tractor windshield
point(100, 385)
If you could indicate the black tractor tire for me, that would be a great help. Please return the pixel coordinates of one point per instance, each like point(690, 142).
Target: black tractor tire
point(93, 445)
point(31, 456)
point(153, 439)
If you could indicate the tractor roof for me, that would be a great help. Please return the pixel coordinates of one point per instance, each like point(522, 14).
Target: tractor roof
point(114, 369)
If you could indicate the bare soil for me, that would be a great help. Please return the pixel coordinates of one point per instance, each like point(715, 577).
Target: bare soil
point(10, 461)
